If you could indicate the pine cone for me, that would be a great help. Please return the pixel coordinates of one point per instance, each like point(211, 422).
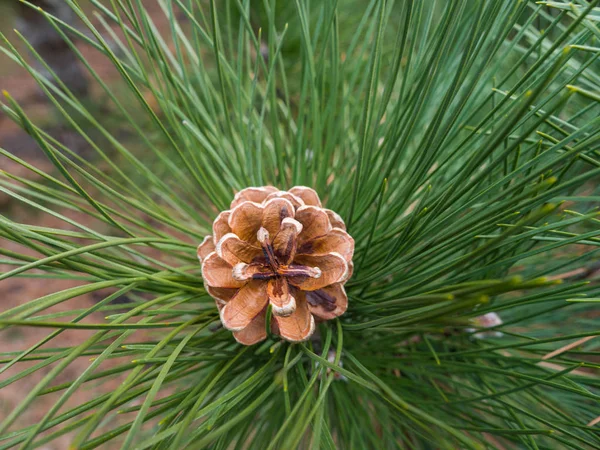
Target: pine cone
point(281, 248)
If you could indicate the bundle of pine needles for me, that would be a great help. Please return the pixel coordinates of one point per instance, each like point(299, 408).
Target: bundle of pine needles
point(460, 143)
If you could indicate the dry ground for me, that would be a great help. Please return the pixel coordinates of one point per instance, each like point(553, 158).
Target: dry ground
point(16, 291)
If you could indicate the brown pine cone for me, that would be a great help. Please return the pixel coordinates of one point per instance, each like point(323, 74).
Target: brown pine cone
point(282, 248)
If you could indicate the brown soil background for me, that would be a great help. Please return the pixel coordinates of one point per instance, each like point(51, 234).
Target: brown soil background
point(16, 291)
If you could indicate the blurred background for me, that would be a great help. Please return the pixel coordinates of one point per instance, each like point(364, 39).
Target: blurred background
point(15, 80)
